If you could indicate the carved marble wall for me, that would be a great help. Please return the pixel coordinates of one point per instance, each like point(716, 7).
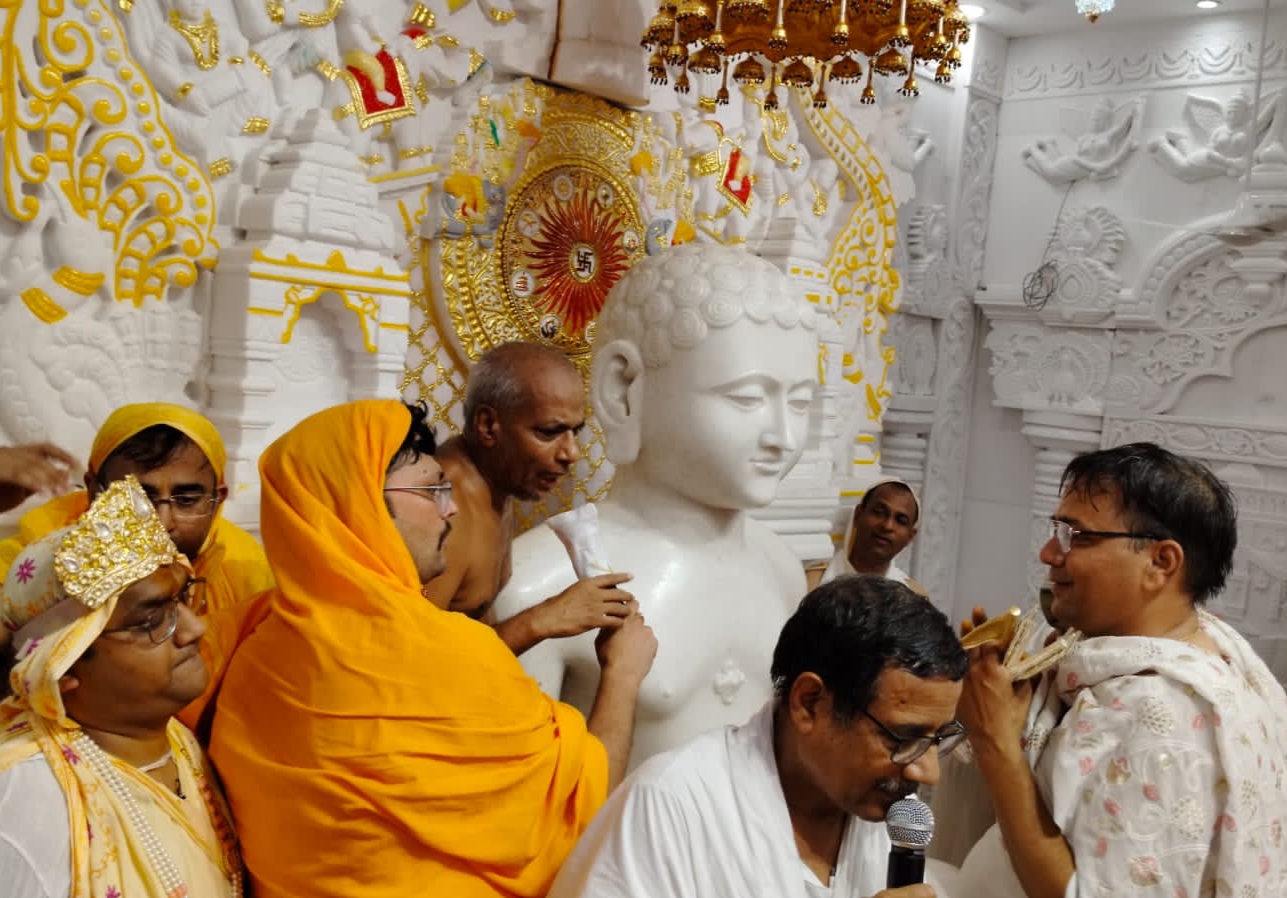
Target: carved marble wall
point(926, 430)
point(1115, 310)
point(294, 196)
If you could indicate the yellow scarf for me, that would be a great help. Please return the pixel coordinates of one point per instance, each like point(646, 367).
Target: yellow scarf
point(108, 857)
point(372, 744)
point(230, 560)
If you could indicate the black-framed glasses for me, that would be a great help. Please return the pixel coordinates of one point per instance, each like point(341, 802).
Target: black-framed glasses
point(184, 506)
point(906, 750)
point(1064, 534)
point(439, 492)
point(164, 619)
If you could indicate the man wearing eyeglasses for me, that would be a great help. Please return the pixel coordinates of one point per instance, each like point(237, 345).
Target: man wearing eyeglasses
point(178, 457)
point(102, 791)
point(866, 677)
point(371, 742)
point(1153, 759)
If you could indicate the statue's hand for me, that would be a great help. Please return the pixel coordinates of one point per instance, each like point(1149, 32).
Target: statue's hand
point(594, 602)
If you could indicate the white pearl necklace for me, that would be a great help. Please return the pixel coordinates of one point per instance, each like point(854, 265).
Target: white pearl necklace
point(171, 879)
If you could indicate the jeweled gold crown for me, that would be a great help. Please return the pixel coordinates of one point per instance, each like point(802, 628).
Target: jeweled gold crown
point(119, 541)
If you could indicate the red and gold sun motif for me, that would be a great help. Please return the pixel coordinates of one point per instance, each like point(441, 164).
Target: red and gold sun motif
point(572, 233)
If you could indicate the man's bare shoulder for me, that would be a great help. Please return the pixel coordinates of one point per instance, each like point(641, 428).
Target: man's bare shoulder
point(460, 469)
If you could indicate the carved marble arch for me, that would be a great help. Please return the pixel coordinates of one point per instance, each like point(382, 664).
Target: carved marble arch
point(1198, 302)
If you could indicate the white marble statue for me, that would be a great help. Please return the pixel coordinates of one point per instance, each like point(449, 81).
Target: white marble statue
point(1098, 153)
point(705, 366)
point(1219, 139)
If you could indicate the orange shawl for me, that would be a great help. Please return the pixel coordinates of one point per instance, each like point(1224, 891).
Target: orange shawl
point(372, 744)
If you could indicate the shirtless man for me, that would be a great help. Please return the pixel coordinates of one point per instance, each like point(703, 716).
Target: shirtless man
point(524, 407)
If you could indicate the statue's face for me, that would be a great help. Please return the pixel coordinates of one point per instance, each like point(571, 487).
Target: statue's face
point(725, 421)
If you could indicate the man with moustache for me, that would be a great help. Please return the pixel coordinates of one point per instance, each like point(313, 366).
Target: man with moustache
point(372, 743)
point(882, 525)
point(524, 408)
point(866, 676)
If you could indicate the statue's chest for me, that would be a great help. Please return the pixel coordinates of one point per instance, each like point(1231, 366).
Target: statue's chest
point(715, 635)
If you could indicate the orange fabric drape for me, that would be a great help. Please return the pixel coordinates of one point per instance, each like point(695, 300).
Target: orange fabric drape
point(372, 744)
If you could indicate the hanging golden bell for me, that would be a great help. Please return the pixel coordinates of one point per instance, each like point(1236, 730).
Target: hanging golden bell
point(798, 74)
point(910, 88)
point(657, 69)
point(694, 18)
point(846, 70)
point(705, 62)
point(748, 10)
point(748, 71)
point(891, 62)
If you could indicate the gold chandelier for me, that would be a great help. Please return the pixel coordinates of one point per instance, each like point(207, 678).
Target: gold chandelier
point(806, 43)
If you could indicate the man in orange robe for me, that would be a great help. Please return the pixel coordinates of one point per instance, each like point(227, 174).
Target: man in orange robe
point(374, 745)
point(178, 457)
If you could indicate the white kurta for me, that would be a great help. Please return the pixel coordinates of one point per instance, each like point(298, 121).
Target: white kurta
point(709, 819)
point(1167, 773)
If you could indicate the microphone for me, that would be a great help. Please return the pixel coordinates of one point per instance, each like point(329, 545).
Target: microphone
point(910, 823)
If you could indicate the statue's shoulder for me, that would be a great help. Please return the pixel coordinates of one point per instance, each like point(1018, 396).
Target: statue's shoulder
point(539, 548)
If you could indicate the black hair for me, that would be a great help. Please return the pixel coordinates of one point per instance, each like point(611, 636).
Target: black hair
point(1168, 497)
point(418, 441)
point(871, 493)
point(851, 629)
point(150, 448)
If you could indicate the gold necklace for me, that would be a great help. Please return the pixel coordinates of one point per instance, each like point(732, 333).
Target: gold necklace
point(203, 38)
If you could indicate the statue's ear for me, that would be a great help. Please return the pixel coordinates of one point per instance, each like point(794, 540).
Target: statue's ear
point(616, 393)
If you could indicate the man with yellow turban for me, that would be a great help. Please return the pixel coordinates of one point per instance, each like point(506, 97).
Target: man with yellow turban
point(102, 793)
point(373, 744)
point(178, 457)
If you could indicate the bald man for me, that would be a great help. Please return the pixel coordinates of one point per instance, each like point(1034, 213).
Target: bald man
point(524, 408)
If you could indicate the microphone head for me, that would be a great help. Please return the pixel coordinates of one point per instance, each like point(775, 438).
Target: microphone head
point(910, 823)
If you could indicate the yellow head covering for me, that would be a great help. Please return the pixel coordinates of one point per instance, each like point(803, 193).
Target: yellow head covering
point(230, 560)
point(130, 420)
point(57, 598)
point(417, 755)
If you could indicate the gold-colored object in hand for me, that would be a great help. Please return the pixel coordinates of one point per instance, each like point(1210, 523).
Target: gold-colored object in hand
point(999, 630)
